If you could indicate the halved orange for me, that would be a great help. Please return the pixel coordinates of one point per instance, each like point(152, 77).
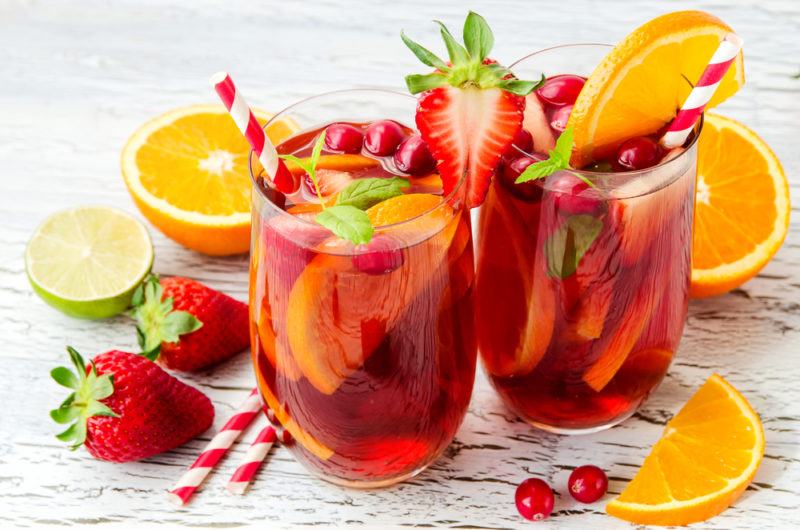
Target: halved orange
point(741, 207)
point(187, 172)
point(705, 459)
point(640, 85)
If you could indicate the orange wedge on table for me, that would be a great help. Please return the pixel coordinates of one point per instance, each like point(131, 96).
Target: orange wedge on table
point(741, 207)
point(640, 85)
point(705, 459)
point(187, 171)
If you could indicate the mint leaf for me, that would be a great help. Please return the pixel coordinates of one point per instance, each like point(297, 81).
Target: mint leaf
point(363, 193)
point(423, 54)
point(347, 222)
point(477, 36)
point(310, 165)
point(417, 83)
point(458, 54)
point(567, 245)
point(558, 159)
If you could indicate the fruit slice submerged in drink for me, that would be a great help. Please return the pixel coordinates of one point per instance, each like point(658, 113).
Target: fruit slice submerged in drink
point(338, 316)
point(528, 294)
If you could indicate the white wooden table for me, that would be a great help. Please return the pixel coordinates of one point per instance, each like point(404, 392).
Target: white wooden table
point(76, 81)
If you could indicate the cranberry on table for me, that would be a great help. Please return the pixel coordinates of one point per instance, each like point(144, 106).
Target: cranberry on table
point(382, 137)
point(343, 138)
point(558, 120)
point(413, 156)
point(561, 89)
point(587, 484)
point(380, 256)
point(571, 196)
point(534, 499)
point(638, 153)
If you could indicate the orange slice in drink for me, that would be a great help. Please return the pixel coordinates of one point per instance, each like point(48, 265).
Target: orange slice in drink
point(187, 171)
point(338, 316)
point(705, 459)
point(524, 301)
point(640, 85)
point(343, 162)
point(741, 207)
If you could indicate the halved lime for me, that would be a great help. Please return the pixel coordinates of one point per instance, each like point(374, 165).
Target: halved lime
point(87, 261)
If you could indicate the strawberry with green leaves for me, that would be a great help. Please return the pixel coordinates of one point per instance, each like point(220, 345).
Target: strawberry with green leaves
point(186, 325)
point(124, 407)
point(470, 108)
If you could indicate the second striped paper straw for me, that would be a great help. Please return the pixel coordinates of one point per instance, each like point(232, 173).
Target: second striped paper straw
point(216, 448)
point(702, 92)
point(255, 455)
point(281, 178)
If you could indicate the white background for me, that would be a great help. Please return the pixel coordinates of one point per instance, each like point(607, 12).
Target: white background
point(76, 80)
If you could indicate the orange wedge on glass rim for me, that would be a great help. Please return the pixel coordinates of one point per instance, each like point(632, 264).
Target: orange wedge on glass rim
point(705, 459)
point(741, 207)
point(187, 171)
point(642, 82)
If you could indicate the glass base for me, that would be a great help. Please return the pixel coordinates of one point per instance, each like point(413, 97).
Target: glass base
point(578, 431)
point(366, 484)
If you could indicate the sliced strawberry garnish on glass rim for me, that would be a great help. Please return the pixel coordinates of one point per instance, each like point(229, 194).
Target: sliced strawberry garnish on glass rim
point(470, 109)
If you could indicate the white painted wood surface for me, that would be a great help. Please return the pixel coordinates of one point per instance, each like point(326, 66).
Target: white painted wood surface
point(78, 77)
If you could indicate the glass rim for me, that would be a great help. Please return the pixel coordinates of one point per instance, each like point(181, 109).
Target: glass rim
point(446, 199)
point(628, 175)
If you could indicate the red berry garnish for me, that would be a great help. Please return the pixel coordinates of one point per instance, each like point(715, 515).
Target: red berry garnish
point(413, 156)
point(561, 89)
point(572, 195)
point(587, 484)
point(534, 499)
point(638, 153)
point(380, 256)
point(523, 141)
point(343, 138)
point(558, 120)
point(527, 191)
point(382, 137)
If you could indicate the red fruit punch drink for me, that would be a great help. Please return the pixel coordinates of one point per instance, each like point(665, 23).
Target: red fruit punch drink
point(360, 350)
point(582, 291)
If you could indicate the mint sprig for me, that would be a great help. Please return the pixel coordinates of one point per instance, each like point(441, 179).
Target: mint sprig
point(557, 160)
point(347, 218)
point(309, 165)
point(566, 246)
point(466, 66)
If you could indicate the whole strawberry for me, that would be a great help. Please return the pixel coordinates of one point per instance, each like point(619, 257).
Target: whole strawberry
point(125, 407)
point(470, 108)
point(186, 325)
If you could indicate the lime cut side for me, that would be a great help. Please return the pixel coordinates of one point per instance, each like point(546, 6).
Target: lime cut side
point(87, 261)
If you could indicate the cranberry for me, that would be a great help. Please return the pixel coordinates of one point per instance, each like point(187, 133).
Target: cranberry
point(561, 89)
point(587, 484)
point(534, 499)
point(379, 256)
point(523, 141)
point(638, 153)
point(509, 171)
point(413, 156)
point(571, 194)
point(382, 137)
point(343, 138)
point(558, 120)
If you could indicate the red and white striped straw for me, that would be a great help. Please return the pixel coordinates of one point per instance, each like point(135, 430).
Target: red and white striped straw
point(282, 179)
point(702, 92)
point(255, 455)
point(216, 448)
